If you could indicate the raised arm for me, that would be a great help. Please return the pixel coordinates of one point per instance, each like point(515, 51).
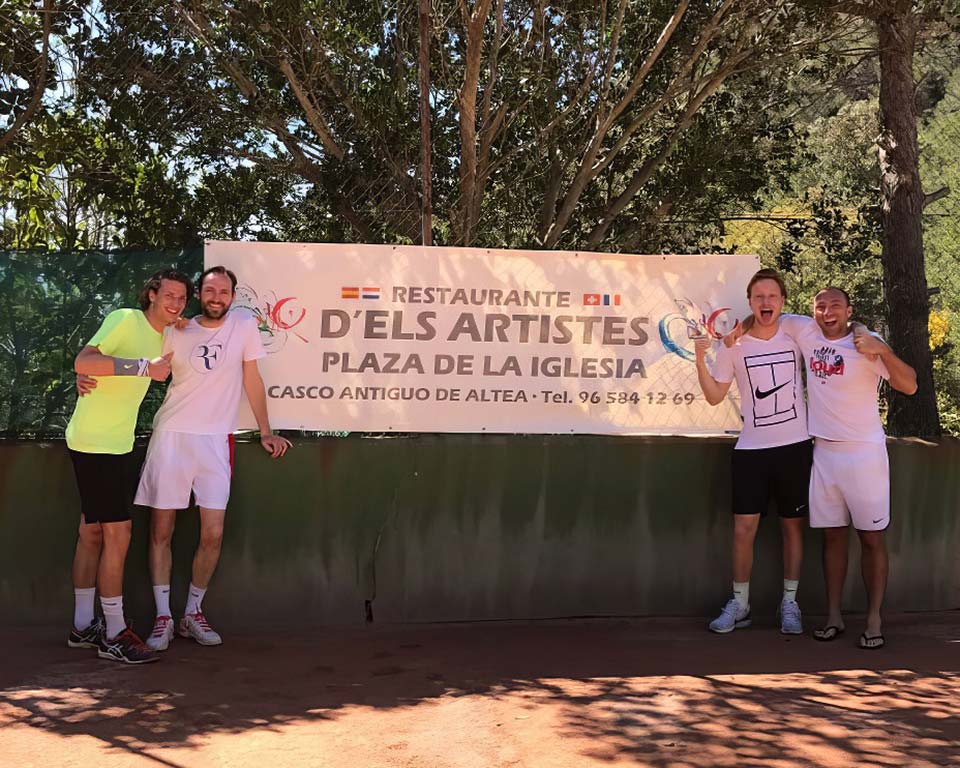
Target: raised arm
point(713, 391)
point(741, 328)
point(902, 377)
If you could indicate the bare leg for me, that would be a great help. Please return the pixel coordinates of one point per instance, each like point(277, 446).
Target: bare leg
point(874, 565)
point(162, 522)
point(116, 541)
point(791, 530)
point(835, 544)
point(208, 552)
point(744, 532)
point(86, 559)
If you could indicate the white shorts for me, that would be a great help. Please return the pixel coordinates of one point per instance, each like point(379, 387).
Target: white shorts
point(180, 462)
point(850, 482)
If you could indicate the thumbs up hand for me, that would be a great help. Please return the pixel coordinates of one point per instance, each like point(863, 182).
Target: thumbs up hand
point(159, 368)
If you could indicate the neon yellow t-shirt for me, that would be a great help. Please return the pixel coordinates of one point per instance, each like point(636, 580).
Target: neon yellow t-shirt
point(104, 421)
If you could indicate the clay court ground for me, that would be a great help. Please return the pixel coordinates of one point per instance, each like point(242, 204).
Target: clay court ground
point(658, 692)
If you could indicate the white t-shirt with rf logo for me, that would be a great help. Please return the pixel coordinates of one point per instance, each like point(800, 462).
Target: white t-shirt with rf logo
point(207, 364)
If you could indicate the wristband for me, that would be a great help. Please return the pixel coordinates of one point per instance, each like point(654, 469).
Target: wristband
point(128, 367)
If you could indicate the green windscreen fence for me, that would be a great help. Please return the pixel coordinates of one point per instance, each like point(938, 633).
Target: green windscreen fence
point(51, 304)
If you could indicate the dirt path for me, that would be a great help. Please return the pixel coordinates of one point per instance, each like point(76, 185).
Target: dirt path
point(563, 694)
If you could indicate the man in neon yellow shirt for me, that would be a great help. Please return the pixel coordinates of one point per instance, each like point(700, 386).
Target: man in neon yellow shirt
point(123, 356)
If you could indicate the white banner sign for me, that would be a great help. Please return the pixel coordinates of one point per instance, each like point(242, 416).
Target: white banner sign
point(378, 338)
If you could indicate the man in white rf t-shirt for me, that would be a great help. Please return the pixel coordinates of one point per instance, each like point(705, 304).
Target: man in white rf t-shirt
point(773, 453)
point(214, 358)
point(850, 481)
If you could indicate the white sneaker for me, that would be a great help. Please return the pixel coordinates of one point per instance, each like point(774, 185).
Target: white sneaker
point(731, 617)
point(195, 625)
point(790, 621)
point(162, 634)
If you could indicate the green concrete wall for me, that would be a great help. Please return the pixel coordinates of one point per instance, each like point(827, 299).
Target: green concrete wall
point(457, 527)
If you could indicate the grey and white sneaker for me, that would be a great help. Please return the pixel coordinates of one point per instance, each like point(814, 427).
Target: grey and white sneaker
point(790, 620)
point(89, 637)
point(161, 635)
point(195, 625)
point(731, 617)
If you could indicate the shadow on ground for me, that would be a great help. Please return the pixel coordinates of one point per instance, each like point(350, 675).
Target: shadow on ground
point(647, 691)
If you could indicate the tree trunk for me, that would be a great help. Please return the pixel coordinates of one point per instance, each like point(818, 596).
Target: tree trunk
point(904, 276)
point(41, 84)
point(426, 174)
point(473, 23)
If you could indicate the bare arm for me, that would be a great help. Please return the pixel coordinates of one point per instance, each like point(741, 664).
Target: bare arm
point(713, 390)
point(257, 397)
point(92, 362)
point(902, 377)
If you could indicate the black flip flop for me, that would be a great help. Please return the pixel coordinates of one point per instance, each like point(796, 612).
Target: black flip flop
point(828, 633)
point(874, 643)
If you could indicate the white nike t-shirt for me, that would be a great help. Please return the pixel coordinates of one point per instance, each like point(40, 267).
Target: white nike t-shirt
point(771, 390)
point(842, 384)
point(204, 394)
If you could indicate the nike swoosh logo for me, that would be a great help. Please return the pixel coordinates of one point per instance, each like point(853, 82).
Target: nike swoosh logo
point(877, 520)
point(762, 395)
point(128, 366)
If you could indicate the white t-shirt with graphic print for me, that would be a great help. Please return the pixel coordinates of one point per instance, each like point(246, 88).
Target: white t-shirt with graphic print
point(771, 390)
point(842, 385)
point(204, 393)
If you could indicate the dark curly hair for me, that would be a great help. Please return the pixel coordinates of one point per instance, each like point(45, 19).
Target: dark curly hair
point(153, 284)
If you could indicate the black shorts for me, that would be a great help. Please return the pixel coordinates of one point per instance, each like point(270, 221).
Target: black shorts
point(106, 483)
point(781, 473)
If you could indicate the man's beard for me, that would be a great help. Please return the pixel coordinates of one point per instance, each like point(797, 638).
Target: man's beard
point(213, 314)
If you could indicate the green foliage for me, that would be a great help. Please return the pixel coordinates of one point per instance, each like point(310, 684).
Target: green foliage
point(940, 168)
point(284, 120)
point(26, 60)
point(822, 226)
point(50, 305)
point(327, 94)
point(73, 183)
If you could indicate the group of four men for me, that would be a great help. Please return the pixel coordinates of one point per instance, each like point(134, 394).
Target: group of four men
point(842, 477)
point(212, 358)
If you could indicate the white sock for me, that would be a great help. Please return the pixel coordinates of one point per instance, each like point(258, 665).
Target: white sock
point(161, 596)
point(790, 589)
point(194, 598)
point(113, 613)
point(83, 601)
point(741, 592)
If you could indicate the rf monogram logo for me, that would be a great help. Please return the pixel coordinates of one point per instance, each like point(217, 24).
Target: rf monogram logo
point(206, 357)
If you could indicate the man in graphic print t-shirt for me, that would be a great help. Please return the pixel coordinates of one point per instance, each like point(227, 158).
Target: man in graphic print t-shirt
point(773, 453)
point(850, 481)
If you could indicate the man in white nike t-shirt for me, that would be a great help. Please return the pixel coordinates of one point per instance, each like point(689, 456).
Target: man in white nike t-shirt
point(772, 456)
point(850, 481)
point(214, 358)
